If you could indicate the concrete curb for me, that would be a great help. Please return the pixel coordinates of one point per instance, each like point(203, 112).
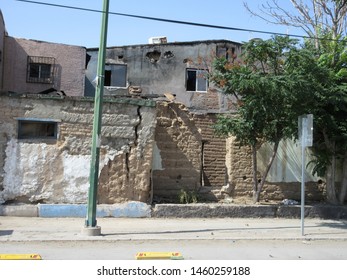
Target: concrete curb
point(247, 211)
point(19, 210)
point(135, 209)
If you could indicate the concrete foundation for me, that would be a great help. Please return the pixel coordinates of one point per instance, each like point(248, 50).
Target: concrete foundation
point(91, 231)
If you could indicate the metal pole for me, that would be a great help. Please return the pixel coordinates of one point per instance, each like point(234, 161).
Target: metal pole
point(96, 136)
point(303, 146)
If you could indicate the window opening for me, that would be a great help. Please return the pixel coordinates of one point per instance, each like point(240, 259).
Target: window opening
point(107, 81)
point(222, 52)
point(196, 80)
point(40, 69)
point(115, 75)
point(37, 129)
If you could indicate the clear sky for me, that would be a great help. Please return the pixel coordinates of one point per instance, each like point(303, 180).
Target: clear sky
point(75, 27)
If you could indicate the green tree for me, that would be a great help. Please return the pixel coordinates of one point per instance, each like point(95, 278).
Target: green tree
point(271, 87)
point(330, 109)
point(325, 22)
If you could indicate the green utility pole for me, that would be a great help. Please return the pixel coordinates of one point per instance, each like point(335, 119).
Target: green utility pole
point(96, 137)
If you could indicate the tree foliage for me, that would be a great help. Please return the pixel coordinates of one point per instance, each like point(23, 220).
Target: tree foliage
point(325, 22)
point(271, 83)
point(330, 109)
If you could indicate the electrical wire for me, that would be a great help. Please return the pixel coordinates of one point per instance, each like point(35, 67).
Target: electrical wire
point(177, 21)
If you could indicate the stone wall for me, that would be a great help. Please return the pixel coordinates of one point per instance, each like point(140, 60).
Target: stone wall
point(57, 171)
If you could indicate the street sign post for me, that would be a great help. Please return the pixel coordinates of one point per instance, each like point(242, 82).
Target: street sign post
point(306, 140)
point(91, 227)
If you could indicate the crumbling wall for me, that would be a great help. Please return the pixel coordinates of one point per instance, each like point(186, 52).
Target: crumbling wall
point(177, 158)
point(213, 152)
point(239, 168)
point(57, 171)
point(188, 155)
point(127, 176)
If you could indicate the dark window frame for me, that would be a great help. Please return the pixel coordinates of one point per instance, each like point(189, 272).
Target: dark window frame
point(36, 129)
point(40, 69)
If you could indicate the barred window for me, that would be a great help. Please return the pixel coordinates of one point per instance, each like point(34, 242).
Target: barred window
point(40, 69)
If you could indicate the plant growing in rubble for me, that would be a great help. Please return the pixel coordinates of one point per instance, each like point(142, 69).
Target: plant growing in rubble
point(186, 197)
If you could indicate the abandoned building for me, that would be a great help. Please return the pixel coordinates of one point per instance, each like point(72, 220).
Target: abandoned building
point(157, 135)
point(31, 66)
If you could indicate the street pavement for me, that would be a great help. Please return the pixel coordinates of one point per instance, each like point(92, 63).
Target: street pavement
point(194, 238)
point(72, 229)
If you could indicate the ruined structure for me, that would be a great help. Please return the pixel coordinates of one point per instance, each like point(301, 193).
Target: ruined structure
point(45, 149)
point(180, 69)
point(31, 66)
point(157, 133)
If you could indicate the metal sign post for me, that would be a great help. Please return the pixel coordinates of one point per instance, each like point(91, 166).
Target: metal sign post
point(306, 140)
point(91, 227)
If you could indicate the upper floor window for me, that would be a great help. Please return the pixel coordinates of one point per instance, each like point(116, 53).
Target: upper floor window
point(196, 80)
point(115, 75)
point(222, 52)
point(40, 69)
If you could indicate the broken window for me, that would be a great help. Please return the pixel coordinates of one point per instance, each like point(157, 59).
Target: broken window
point(196, 80)
point(115, 75)
point(37, 129)
point(222, 52)
point(40, 69)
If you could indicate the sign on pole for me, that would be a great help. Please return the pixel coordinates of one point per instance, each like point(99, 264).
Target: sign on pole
point(306, 130)
point(306, 140)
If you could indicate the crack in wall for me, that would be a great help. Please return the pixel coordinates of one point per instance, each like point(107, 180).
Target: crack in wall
point(127, 164)
point(128, 154)
point(137, 125)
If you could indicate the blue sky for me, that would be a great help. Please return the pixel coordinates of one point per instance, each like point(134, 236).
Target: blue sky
point(73, 27)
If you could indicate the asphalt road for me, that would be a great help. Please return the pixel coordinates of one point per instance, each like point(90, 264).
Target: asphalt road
point(190, 249)
point(195, 239)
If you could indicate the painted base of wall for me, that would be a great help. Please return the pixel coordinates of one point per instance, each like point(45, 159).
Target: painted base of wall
point(129, 210)
point(143, 210)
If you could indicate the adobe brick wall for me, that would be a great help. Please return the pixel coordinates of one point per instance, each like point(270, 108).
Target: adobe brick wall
point(178, 146)
point(50, 171)
point(214, 169)
point(191, 156)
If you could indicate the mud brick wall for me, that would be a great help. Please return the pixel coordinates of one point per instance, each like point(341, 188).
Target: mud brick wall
point(177, 158)
point(213, 152)
point(57, 170)
point(188, 154)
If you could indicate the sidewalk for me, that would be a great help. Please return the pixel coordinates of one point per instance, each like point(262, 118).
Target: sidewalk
point(24, 229)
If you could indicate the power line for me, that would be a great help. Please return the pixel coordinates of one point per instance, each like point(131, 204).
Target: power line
point(164, 20)
point(176, 21)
